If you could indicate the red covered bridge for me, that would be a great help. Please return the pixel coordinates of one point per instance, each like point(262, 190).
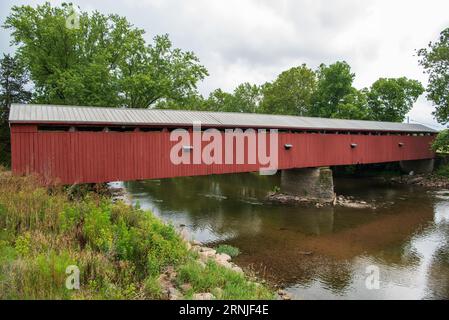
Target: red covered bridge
point(90, 145)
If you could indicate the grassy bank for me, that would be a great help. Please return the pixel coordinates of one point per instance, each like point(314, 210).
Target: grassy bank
point(122, 252)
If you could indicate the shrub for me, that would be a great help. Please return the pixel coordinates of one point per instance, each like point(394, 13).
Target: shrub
point(23, 244)
point(39, 277)
point(120, 250)
point(7, 252)
point(98, 228)
point(443, 171)
point(441, 143)
point(228, 249)
point(152, 287)
point(233, 285)
point(26, 206)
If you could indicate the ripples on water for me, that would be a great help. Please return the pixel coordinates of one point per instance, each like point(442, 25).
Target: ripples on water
point(316, 253)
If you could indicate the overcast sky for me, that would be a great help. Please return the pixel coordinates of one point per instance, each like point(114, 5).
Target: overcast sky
point(253, 41)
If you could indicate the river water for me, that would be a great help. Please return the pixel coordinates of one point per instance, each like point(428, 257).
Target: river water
point(400, 250)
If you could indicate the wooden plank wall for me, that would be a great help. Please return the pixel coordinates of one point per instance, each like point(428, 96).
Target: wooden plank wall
point(93, 157)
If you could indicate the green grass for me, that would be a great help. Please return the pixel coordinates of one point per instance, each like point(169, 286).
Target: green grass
point(220, 281)
point(120, 250)
point(228, 249)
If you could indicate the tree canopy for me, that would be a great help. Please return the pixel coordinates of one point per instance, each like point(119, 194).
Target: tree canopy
point(391, 99)
point(441, 143)
point(13, 82)
point(103, 60)
point(13, 89)
point(334, 84)
point(291, 92)
point(354, 105)
point(327, 92)
point(435, 60)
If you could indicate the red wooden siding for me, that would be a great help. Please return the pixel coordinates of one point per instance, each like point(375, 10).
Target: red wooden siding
point(86, 157)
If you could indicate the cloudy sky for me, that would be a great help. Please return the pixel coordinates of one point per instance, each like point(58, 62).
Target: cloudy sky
point(253, 41)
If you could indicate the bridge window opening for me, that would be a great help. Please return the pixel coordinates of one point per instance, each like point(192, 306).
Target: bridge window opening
point(67, 128)
point(121, 129)
point(90, 129)
point(54, 128)
point(150, 129)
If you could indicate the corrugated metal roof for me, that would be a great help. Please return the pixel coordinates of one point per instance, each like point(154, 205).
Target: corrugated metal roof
point(52, 114)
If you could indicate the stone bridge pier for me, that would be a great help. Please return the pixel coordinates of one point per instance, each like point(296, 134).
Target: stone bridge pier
point(315, 184)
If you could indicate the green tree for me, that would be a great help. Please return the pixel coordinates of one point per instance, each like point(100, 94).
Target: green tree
point(291, 92)
point(13, 83)
point(390, 99)
point(247, 98)
point(219, 100)
point(354, 105)
point(441, 143)
point(334, 84)
point(190, 102)
point(102, 60)
point(435, 60)
point(164, 73)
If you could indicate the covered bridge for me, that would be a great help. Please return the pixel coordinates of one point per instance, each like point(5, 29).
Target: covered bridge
point(73, 144)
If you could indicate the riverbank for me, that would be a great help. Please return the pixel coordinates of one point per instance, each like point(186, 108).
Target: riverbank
point(202, 252)
point(121, 252)
point(423, 180)
point(439, 178)
point(310, 252)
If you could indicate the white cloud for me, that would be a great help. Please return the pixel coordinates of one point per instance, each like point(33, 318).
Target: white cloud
point(249, 40)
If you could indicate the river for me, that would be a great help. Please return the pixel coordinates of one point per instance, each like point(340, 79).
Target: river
point(400, 250)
